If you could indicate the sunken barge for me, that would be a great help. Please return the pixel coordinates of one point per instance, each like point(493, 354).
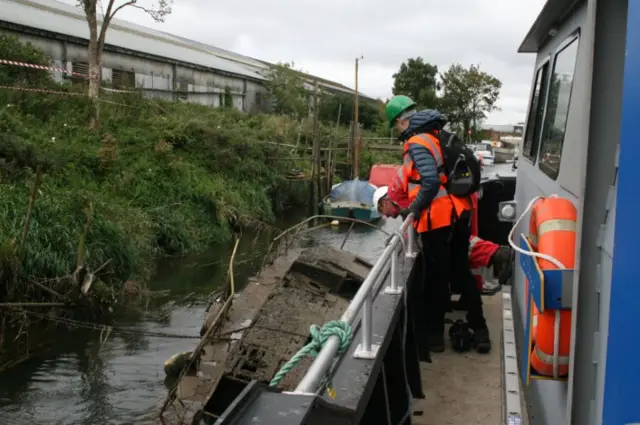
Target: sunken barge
point(261, 329)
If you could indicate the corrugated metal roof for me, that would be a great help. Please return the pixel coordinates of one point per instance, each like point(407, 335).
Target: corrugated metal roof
point(62, 18)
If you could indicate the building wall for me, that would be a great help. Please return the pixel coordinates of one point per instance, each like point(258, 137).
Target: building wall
point(157, 79)
point(496, 133)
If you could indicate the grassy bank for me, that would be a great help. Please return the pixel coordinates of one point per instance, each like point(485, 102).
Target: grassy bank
point(157, 178)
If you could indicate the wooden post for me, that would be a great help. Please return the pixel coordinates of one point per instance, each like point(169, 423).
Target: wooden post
point(356, 126)
point(316, 177)
point(330, 167)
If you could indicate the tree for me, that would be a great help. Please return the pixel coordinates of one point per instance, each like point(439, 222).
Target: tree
point(286, 88)
point(97, 36)
point(418, 80)
point(11, 48)
point(469, 96)
point(370, 112)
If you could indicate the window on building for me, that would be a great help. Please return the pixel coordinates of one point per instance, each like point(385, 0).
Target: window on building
point(182, 87)
point(227, 98)
point(80, 72)
point(558, 104)
point(123, 79)
point(536, 114)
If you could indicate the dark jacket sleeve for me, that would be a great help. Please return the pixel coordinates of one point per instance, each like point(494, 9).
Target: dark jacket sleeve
point(427, 167)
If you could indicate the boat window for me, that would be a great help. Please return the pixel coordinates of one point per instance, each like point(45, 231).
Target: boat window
point(536, 113)
point(558, 103)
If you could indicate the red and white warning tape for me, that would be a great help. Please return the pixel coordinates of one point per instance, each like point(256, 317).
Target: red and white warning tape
point(41, 67)
point(56, 69)
point(60, 92)
point(117, 90)
point(27, 89)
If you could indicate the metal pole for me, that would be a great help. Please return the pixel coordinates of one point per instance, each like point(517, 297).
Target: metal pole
point(367, 326)
point(393, 288)
point(411, 241)
point(394, 271)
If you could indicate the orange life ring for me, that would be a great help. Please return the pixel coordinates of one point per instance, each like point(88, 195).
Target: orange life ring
point(533, 241)
point(552, 231)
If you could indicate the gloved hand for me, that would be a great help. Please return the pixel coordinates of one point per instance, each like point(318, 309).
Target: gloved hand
point(406, 211)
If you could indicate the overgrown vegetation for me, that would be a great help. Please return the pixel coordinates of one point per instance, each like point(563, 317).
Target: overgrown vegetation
point(291, 96)
point(157, 178)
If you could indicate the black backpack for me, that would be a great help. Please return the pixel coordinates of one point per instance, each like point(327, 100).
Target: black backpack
point(461, 166)
point(461, 336)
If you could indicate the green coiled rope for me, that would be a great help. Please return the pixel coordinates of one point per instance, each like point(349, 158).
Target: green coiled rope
point(319, 337)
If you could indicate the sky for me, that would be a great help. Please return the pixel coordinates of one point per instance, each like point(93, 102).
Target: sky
point(323, 37)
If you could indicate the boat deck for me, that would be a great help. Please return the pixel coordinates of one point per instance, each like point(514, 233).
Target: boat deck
point(465, 389)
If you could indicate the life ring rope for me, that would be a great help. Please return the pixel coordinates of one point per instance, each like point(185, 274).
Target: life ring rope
point(516, 248)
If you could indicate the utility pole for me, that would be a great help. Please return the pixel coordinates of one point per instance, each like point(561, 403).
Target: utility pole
point(356, 127)
point(316, 186)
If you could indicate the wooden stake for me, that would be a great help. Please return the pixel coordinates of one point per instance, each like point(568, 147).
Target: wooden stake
point(330, 161)
point(356, 127)
point(317, 195)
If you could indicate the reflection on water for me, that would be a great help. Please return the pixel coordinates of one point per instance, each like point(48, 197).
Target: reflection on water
point(84, 382)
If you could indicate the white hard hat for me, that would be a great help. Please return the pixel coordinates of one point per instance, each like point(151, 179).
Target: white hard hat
point(380, 193)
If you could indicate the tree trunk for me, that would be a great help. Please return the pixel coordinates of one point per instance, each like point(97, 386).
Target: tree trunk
point(95, 72)
point(94, 94)
point(466, 125)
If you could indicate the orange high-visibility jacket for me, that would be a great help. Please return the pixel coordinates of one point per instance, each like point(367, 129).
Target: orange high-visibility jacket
point(443, 207)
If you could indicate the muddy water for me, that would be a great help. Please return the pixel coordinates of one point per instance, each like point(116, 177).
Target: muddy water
point(83, 381)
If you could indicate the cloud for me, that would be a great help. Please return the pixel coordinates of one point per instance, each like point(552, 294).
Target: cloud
point(323, 37)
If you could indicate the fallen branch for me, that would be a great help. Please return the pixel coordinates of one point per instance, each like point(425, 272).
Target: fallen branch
point(205, 338)
point(46, 289)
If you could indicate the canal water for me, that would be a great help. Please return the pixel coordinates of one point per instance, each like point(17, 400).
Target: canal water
point(83, 381)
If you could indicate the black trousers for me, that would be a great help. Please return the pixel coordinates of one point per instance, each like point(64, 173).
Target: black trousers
point(446, 259)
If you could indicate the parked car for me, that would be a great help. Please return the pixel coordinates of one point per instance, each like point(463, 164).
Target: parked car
point(484, 152)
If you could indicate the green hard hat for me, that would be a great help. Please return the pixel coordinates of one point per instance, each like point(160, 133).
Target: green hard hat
point(396, 106)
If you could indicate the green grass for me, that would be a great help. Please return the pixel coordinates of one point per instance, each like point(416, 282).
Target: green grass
point(160, 179)
point(157, 178)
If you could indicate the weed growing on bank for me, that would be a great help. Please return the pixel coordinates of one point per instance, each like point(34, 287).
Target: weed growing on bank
point(157, 178)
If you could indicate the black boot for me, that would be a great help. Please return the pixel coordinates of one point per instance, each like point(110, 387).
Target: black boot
point(502, 262)
point(481, 340)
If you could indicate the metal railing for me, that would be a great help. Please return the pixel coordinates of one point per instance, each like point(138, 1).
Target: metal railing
point(363, 301)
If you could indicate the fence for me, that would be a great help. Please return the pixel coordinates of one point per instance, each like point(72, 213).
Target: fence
point(363, 302)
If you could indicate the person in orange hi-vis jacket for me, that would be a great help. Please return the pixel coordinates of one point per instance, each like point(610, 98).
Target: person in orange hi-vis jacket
point(391, 200)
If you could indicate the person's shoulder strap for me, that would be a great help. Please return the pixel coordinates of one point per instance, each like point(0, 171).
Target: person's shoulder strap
point(432, 143)
point(445, 138)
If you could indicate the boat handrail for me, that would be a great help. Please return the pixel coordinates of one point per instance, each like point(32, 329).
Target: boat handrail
point(363, 301)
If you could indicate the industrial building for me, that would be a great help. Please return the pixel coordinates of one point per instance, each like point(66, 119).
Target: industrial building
point(495, 132)
point(159, 64)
